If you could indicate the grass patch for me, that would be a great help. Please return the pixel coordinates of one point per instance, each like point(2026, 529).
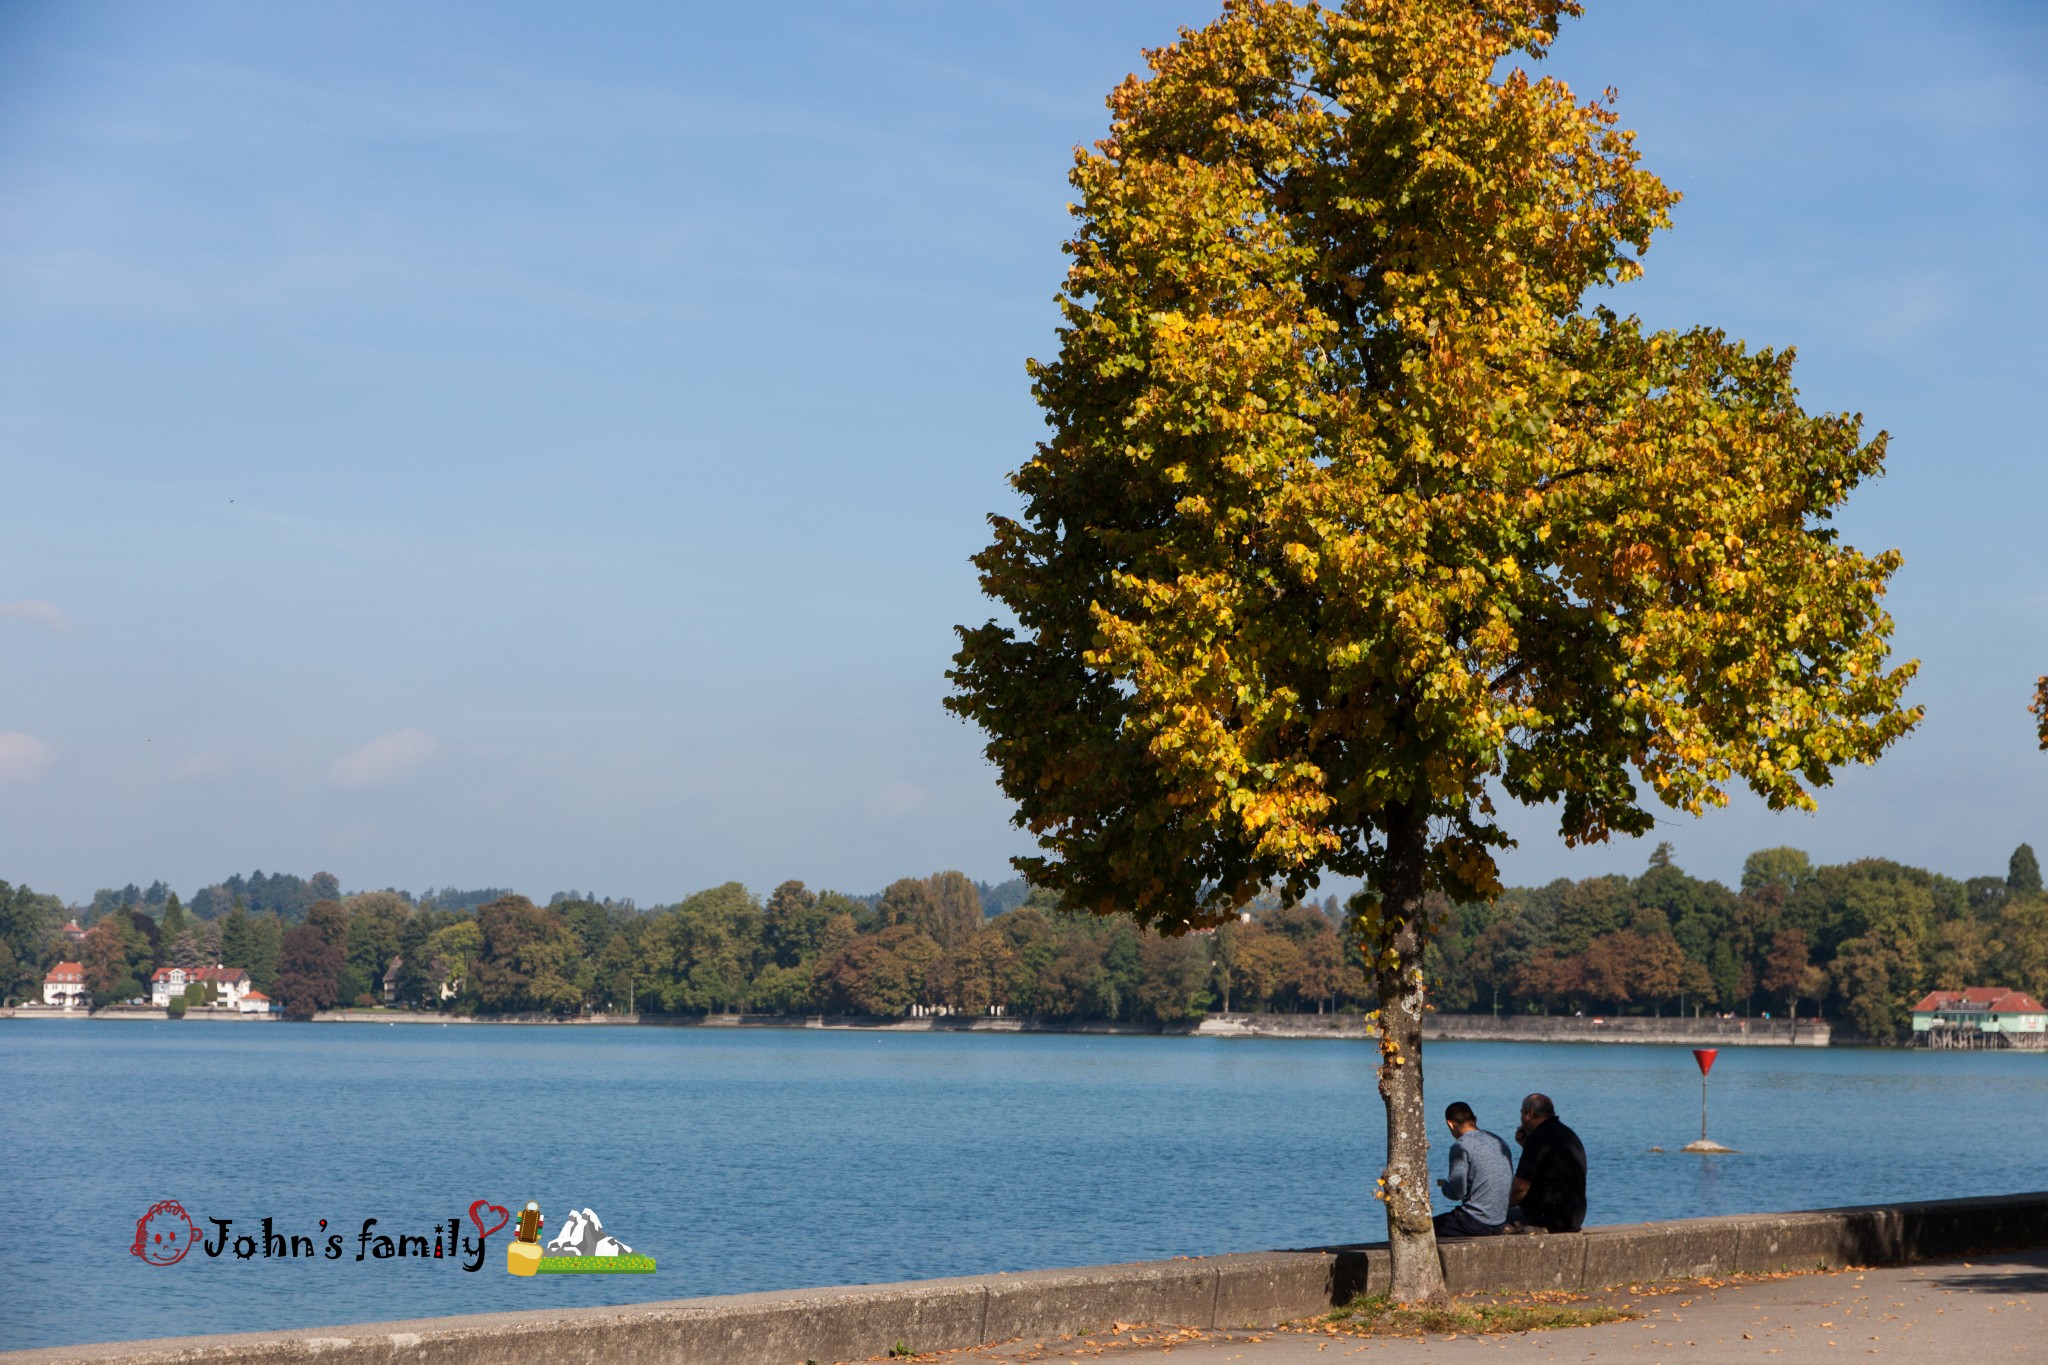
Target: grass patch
point(634, 1264)
point(1377, 1315)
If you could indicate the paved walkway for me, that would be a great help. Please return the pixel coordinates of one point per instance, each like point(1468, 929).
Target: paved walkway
point(1973, 1312)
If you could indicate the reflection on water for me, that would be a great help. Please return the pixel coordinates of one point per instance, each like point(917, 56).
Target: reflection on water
point(1707, 1189)
point(778, 1158)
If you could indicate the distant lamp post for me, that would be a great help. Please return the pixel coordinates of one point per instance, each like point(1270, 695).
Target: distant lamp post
point(1705, 1056)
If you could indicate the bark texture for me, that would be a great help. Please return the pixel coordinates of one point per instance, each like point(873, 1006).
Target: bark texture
point(1397, 973)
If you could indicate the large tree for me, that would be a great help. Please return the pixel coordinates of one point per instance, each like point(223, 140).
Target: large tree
point(701, 955)
point(2023, 871)
point(527, 961)
point(311, 960)
point(377, 922)
point(28, 927)
point(1355, 518)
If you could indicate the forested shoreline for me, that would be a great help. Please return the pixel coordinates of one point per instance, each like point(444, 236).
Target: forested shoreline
point(1854, 942)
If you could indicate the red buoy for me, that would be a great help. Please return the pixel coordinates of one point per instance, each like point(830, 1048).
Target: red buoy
point(1705, 1056)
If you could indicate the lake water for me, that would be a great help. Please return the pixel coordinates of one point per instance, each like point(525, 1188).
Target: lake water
point(768, 1159)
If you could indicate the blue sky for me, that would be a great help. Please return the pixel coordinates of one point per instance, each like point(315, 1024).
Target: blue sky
point(541, 445)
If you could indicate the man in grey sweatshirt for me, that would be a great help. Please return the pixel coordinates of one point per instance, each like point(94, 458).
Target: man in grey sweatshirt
point(1482, 1172)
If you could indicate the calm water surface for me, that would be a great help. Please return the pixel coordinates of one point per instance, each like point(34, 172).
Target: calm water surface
point(748, 1160)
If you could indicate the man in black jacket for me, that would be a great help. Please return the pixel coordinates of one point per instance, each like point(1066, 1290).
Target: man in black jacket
point(1550, 1182)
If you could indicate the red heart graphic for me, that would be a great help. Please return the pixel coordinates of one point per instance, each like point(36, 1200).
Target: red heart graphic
point(504, 1215)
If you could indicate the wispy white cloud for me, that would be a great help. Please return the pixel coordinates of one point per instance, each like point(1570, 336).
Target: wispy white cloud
point(36, 612)
point(1902, 313)
point(898, 798)
point(23, 758)
point(199, 767)
point(384, 760)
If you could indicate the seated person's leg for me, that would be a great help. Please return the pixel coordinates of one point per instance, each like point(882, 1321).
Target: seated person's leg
point(1459, 1223)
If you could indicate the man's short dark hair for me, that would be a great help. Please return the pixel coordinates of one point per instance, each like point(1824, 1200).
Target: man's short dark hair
point(1539, 1106)
point(1457, 1111)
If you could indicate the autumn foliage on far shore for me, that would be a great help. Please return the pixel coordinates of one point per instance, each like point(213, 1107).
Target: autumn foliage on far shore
point(1855, 942)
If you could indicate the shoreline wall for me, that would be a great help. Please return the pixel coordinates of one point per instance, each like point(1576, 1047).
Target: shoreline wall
point(1705, 1032)
point(1537, 1028)
point(1252, 1290)
point(1354, 1027)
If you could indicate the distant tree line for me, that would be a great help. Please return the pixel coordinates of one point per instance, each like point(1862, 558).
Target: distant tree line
point(281, 894)
point(1857, 942)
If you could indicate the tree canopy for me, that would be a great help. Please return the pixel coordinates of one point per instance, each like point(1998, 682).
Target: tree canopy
point(2023, 871)
point(1350, 507)
point(1357, 516)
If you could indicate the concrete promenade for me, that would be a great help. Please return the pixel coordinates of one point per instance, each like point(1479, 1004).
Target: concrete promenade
point(1950, 1312)
point(1211, 1294)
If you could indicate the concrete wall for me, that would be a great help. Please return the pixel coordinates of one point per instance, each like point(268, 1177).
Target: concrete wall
point(1468, 1027)
point(1223, 1292)
point(1446, 1027)
point(138, 1014)
point(1707, 1032)
point(1536, 1028)
point(430, 1017)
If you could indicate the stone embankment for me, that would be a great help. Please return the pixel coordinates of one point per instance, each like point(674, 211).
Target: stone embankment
point(134, 1014)
point(1210, 1292)
point(1709, 1032)
point(1702, 1032)
point(1538, 1028)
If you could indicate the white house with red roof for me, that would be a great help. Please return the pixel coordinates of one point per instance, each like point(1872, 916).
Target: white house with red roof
point(2008, 1016)
point(64, 985)
point(231, 984)
point(256, 1002)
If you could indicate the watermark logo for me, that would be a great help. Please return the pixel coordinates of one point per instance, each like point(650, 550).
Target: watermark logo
point(582, 1247)
point(482, 1207)
point(164, 1234)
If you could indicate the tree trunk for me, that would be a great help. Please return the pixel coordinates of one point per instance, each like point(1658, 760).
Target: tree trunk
point(1411, 1238)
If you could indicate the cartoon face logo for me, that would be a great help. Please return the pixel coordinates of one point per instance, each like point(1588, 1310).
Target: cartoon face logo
point(164, 1234)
